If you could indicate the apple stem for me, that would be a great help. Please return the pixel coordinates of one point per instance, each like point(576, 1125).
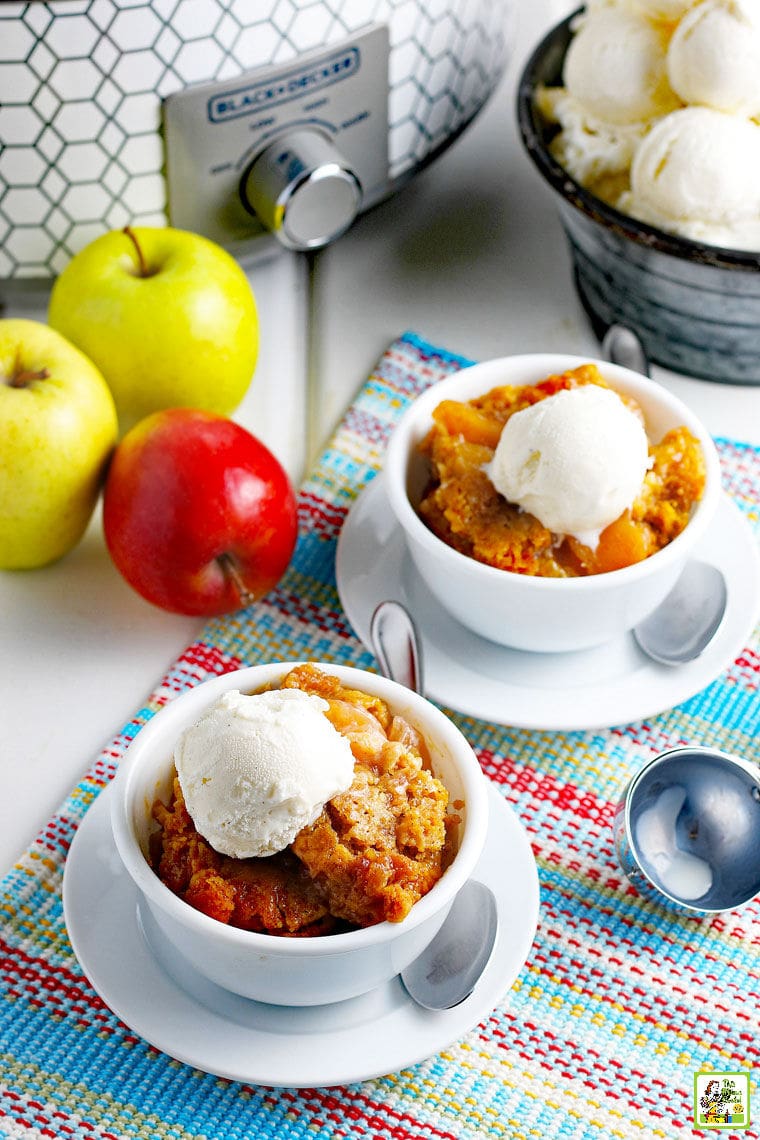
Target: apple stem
point(27, 376)
point(143, 270)
point(229, 568)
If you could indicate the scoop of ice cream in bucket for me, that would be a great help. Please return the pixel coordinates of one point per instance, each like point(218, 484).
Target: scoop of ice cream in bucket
point(643, 121)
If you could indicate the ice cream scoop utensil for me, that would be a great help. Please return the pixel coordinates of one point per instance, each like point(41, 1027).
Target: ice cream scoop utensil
point(686, 621)
point(448, 969)
point(687, 830)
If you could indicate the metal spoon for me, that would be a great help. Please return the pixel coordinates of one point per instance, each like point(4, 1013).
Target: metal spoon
point(396, 645)
point(686, 621)
point(448, 969)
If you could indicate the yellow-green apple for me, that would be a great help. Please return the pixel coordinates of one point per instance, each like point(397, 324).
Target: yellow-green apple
point(198, 515)
point(168, 316)
point(58, 428)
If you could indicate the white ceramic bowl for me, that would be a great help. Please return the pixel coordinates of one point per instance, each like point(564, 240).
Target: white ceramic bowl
point(519, 610)
point(292, 971)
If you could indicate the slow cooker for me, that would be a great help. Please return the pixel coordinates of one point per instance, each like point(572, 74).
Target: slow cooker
point(250, 121)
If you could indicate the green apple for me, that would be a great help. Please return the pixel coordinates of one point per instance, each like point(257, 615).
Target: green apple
point(167, 316)
point(58, 428)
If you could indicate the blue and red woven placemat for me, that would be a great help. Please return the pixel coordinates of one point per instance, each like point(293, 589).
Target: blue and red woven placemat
point(619, 1003)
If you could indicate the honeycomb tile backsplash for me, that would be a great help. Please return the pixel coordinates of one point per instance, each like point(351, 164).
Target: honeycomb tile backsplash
point(81, 83)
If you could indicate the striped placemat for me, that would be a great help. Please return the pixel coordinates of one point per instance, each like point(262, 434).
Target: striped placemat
point(619, 1005)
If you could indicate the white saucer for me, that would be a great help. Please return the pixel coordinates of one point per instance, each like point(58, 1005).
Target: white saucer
point(172, 1007)
point(596, 688)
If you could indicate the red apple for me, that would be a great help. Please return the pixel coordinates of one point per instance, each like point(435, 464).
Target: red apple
point(198, 515)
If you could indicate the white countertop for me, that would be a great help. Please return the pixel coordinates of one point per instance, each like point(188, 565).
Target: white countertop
point(471, 256)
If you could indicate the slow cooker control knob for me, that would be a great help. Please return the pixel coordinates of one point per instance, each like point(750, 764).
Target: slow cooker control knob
point(302, 189)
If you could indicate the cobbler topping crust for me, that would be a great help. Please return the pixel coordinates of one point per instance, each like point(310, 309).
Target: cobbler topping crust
point(464, 509)
point(369, 856)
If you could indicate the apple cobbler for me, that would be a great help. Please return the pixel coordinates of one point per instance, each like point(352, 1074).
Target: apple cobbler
point(463, 507)
point(373, 851)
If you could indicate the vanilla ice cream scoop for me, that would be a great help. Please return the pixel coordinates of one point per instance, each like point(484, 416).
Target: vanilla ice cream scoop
point(697, 166)
point(714, 56)
point(255, 770)
point(615, 67)
point(575, 460)
point(587, 147)
point(659, 114)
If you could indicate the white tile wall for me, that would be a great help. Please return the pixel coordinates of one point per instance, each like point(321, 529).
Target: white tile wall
point(81, 83)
